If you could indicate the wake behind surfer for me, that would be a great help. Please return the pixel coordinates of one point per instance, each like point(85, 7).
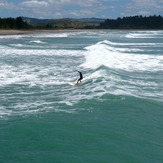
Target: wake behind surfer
point(81, 77)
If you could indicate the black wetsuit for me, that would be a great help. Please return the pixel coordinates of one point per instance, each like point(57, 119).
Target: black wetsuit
point(81, 77)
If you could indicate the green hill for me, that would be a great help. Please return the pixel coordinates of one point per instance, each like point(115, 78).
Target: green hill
point(65, 23)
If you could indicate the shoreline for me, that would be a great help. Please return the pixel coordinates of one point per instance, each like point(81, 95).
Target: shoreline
point(17, 32)
point(14, 32)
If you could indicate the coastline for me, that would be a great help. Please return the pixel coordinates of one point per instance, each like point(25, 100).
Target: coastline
point(20, 32)
point(15, 32)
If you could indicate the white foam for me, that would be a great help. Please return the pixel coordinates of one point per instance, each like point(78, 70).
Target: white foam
point(4, 112)
point(39, 35)
point(131, 44)
point(101, 54)
point(18, 45)
point(11, 36)
point(50, 35)
point(145, 34)
point(37, 41)
point(26, 74)
point(40, 52)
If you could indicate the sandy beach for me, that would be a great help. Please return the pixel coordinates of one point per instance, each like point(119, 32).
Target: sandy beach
point(13, 32)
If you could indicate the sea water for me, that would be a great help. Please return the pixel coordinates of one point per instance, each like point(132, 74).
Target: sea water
point(115, 116)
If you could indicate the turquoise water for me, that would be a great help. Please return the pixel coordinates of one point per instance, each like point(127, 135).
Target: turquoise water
point(115, 116)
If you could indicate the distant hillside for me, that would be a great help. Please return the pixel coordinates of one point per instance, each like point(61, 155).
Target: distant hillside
point(66, 22)
point(91, 21)
point(35, 21)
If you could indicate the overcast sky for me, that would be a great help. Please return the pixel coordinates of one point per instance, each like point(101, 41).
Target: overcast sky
point(79, 8)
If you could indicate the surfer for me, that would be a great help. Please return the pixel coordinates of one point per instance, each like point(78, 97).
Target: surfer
point(81, 77)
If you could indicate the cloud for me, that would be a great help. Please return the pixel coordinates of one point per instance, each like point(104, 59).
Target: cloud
point(33, 4)
point(81, 13)
point(6, 5)
point(146, 4)
point(145, 7)
point(60, 8)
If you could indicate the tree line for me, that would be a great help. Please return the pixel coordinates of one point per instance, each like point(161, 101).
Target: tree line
point(134, 22)
point(13, 23)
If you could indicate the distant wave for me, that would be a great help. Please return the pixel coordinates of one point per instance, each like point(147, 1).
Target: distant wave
point(130, 43)
point(40, 35)
point(147, 34)
point(50, 35)
point(11, 36)
point(37, 52)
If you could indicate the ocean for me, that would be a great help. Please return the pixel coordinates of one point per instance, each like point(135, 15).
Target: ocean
point(114, 116)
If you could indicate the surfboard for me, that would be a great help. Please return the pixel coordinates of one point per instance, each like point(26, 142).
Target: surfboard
point(74, 83)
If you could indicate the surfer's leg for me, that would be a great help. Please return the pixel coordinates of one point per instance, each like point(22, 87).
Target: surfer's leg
point(79, 80)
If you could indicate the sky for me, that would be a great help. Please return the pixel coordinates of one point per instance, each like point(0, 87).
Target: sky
point(79, 8)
